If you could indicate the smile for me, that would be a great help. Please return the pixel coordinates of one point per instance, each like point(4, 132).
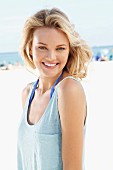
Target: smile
point(50, 64)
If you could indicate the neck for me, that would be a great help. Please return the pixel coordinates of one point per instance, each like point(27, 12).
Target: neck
point(45, 83)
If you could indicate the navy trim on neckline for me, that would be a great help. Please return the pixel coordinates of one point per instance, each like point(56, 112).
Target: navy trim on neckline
point(52, 89)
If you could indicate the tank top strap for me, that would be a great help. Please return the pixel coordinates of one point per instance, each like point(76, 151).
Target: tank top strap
point(35, 86)
point(71, 77)
point(56, 82)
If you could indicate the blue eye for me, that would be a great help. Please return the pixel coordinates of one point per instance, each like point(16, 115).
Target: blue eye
point(42, 48)
point(60, 49)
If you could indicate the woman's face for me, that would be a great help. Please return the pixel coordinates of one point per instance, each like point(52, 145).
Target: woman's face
point(50, 50)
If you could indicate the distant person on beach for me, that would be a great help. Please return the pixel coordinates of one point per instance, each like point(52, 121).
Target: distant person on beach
point(98, 56)
point(52, 128)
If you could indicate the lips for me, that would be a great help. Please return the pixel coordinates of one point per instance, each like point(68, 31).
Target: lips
point(50, 65)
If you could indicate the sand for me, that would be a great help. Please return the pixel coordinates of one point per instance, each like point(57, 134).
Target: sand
point(98, 87)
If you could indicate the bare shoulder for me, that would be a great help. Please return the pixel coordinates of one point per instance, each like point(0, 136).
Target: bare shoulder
point(71, 99)
point(25, 93)
point(71, 87)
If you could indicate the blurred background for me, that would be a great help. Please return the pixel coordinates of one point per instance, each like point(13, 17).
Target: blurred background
point(93, 21)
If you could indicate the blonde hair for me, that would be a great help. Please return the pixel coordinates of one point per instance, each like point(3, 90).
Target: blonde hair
point(80, 53)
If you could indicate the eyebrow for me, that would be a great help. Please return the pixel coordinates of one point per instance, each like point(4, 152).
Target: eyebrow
point(42, 43)
point(61, 45)
point(47, 45)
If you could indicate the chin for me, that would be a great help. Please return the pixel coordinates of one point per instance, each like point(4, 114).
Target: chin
point(50, 74)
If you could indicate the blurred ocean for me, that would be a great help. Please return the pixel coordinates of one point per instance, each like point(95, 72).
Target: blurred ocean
point(10, 58)
point(100, 51)
point(15, 58)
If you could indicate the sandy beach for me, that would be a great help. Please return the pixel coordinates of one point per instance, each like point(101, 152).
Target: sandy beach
point(99, 93)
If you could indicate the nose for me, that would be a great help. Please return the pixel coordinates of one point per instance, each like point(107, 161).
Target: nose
point(51, 55)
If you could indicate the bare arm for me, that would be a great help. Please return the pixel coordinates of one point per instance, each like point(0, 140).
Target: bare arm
point(72, 110)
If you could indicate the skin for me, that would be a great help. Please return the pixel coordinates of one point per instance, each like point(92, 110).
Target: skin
point(50, 50)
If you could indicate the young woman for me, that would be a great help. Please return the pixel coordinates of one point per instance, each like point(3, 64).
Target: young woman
point(51, 131)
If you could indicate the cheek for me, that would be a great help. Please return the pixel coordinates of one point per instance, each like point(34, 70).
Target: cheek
point(65, 57)
point(37, 56)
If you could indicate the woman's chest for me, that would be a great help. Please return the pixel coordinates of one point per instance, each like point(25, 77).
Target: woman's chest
point(37, 108)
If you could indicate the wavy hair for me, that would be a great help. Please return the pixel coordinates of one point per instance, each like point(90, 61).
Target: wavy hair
point(80, 53)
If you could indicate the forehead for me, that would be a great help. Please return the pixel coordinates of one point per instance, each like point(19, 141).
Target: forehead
point(45, 34)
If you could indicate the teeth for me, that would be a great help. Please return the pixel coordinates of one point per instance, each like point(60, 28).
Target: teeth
point(50, 65)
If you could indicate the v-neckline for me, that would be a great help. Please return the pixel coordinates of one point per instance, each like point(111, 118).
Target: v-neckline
point(32, 96)
point(42, 116)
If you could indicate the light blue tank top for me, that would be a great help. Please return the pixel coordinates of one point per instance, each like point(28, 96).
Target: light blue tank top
point(39, 146)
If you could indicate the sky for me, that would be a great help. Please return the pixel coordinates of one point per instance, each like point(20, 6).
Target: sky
point(92, 19)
